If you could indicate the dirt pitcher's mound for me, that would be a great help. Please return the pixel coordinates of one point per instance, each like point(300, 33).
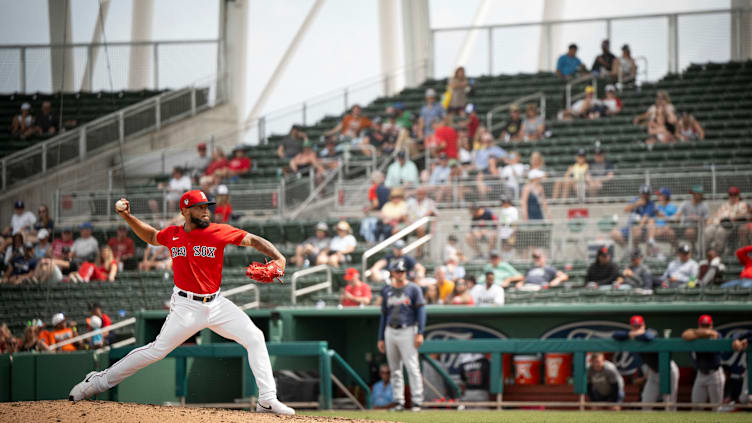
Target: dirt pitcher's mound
point(105, 411)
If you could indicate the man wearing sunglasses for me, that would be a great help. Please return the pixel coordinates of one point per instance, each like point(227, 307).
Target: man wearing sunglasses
point(652, 389)
point(708, 386)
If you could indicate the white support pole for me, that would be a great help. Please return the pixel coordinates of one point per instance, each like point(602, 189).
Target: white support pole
point(388, 42)
point(234, 23)
point(552, 11)
point(279, 70)
point(417, 40)
point(96, 37)
point(141, 57)
point(61, 33)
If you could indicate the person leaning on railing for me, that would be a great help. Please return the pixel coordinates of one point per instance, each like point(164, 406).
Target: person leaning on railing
point(709, 381)
point(604, 383)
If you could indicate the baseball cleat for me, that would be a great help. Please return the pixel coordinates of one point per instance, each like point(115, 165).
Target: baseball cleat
point(398, 407)
point(85, 389)
point(274, 406)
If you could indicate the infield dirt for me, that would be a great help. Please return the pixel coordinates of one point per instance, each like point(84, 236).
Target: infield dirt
point(105, 411)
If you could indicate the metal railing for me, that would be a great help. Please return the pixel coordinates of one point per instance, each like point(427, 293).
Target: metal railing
point(407, 230)
point(295, 293)
point(110, 130)
point(584, 78)
point(132, 321)
point(498, 109)
point(676, 54)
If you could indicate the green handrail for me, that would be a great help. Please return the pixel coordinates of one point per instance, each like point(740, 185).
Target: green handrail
point(350, 371)
point(456, 391)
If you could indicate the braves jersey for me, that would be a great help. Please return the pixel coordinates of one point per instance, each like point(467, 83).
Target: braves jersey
point(402, 307)
point(197, 255)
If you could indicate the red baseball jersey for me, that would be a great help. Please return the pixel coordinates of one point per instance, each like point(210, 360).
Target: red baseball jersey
point(197, 255)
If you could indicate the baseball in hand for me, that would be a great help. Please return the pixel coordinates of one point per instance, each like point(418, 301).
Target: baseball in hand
point(121, 205)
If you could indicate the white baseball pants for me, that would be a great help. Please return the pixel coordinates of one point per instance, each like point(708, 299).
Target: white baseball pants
point(188, 316)
point(708, 387)
point(400, 349)
point(652, 390)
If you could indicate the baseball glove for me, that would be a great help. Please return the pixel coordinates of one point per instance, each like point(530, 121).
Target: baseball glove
point(265, 273)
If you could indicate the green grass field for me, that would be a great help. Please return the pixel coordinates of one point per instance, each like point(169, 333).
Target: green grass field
point(539, 416)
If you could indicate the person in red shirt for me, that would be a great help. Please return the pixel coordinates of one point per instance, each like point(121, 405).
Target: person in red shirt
point(356, 291)
point(472, 120)
point(218, 163)
point(745, 278)
point(122, 246)
point(223, 209)
point(447, 138)
point(197, 250)
point(239, 165)
point(66, 240)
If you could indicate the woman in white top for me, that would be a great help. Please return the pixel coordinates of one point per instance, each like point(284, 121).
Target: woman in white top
point(626, 65)
point(689, 129)
point(22, 125)
point(340, 247)
point(662, 105)
point(533, 126)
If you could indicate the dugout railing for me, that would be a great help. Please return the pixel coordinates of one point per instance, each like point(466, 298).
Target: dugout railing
point(579, 348)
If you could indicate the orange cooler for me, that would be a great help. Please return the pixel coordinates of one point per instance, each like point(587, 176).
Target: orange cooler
point(527, 369)
point(558, 368)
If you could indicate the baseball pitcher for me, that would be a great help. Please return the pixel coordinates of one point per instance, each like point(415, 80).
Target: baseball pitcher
point(403, 317)
point(197, 251)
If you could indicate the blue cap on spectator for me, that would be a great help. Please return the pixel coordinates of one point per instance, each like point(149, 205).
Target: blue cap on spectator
point(19, 204)
point(665, 192)
point(86, 225)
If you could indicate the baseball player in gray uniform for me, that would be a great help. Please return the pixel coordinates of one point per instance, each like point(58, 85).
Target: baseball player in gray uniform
point(708, 386)
point(403, 317)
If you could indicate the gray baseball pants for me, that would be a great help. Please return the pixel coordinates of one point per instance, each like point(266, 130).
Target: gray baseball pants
point(652, 390)
point(400, 349)
point(708, 387)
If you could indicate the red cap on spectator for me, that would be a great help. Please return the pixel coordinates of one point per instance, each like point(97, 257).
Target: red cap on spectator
point(733, 191)
point(194, 198)
point(350, 273)
point(636, 320)
point(705, 319)
point(202, 146)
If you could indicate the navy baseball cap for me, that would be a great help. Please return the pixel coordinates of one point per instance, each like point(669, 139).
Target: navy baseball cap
point(398, 266)
point(581, 152)
point(19, 204)
point(86, 225)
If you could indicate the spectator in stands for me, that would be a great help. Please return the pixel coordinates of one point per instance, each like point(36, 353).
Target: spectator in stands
point(43, 247)
point(429, 113)
point(689, 129)
point(378, 193)
point(691, 212)
point(626, 65)
point(306, 159)
point(461, 294)
point(568, 64)
point(709, 380)
point(393, 215)
point(541, 276)
point(661, 230)
point(30, 341)
point(95, 309)
point(356, 292)
point(122, 245)
point(156, 257)
point(177, 185)
point(508, 217)
point(510, 130)
point(238, 166)
point(641, 210)
point(306, 253)
point(711, 269)
point(662, 107)
point(488, 294)
point(446, 137)
point(602, 272)
point(471, 122)
point(375, 136)
point(611, 103)
point(635, 275)
point(13, 248)
point(340, 246)
point(533, 197)
point(444, 284)
point(218, 163)
point(223, 208)
point(451, 250)
point(22, 221)
point(720, 225)
point(681, 271)
point(574, 177)
point(420, 206)
point(94, 323)
point(482, 228)
point(599, 172)
point(537, 162)
point(381, 392)
point(21, 267)
point(44, 220)
point(64, 242)
point(588, 107)
point(487, 159)
point(603, 65)
point(440, 177)
point(106, 266)
point(504, 273)
point(402, 172)
point(351, 124)
point(604, 382)
point(22, 125)
point(458, 88)
point(513, 174)
point(659, 130)
point(292, 144)
point(198, 165)
point(745, 278)
point(651, 391)
point(45, 123)
point(8, 342)
point(431, 296)
point(85, 247)
point(534, 125)
point(454, 269)
point(60, 333)
point(379, 273)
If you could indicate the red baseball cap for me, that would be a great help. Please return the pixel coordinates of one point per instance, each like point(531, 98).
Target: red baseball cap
point(733, 191)
point(705, 319)
point(350, 273)
point(636, 320)
point(192, 198)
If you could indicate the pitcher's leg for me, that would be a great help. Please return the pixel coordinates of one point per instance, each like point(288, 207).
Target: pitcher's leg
point(229, 321)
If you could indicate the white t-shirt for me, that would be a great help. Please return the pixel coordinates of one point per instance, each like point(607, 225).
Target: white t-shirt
point(449, 250)
point(507, 216)
point(417, 209)
point(514, 175)
point(83, 247)
point(340, 244)
point(180, 185)
point(23, 220)
point(487, 297)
